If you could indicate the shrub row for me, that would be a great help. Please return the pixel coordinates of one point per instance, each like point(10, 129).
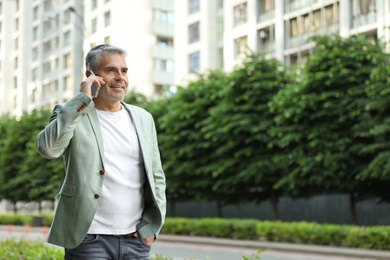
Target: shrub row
point(45, 219)
point(373, 237)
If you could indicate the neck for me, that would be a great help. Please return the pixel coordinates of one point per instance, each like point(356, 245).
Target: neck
point(109, 107)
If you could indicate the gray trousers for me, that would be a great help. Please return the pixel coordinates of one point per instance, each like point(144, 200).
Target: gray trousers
point(108, 247)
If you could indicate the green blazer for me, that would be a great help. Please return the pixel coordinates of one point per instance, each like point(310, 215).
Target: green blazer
point(74, 132)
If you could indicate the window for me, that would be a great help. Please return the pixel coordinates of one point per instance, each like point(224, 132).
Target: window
point(363, 7)
point(50, 66)
point(15, 102)
point(94, 25)
point(67, 61)
point(35, 13)
point(46, 89)
point(329, 15)
point(194, 62)
point(50, 87)
point(47, 5)
point(67, 38)
point(240, 14)
point(35, 33)
point(67, 16)
point(163, 65)
point(193, 32)
point(305, 23)
point(293, 27)
point(34, 54)
point(94, 4)
point(16, 62)
point(56, 42)
point(107, 40)
point(107, 19)
point(47, 46)
point(193, 6)
point(34, 95)
point(67, 84)
point(163, 16)
point(317, 20)
point(15, 82)
point(240, 45)
point(16, 24)
point(34, 74)
point(164, 42)
point(16, 43)
point(266, 5)
point(50, 23)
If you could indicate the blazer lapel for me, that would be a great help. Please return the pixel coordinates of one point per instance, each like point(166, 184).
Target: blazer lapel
point(139, 128)
point(93, 119)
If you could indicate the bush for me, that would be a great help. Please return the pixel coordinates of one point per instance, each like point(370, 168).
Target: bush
point(376, 237)
point(28, 250)
point(16, 219)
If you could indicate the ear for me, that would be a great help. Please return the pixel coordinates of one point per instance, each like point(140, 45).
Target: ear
point(87, 73)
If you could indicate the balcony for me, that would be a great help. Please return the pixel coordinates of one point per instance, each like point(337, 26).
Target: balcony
point(362, 20)
point(162, 29)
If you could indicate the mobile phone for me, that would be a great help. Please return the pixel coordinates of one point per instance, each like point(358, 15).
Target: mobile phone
point(94, 87)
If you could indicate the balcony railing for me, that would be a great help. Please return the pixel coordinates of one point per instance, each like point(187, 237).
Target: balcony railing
point(361, 20)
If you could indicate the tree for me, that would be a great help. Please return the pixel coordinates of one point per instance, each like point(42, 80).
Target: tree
point(186, 153)
point(243, 164)
point(375, 130)
point(135, 98)
point(42, 176)
point(24, 175)
point(316, 118)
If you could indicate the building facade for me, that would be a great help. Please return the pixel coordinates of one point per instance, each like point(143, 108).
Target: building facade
point(43, 44)
point(279, 28)
point(144, 29)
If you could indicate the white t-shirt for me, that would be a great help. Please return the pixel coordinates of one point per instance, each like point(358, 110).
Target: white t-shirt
point(121, 202)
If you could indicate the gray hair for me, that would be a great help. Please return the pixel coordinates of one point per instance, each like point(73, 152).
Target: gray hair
point(94, 55)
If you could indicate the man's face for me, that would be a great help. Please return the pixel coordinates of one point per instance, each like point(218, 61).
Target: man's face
point(113, 70)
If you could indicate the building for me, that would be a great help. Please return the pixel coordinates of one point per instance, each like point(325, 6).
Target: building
point(43, 44)
point(40, 45)
point(279, 28)
point(144, 29)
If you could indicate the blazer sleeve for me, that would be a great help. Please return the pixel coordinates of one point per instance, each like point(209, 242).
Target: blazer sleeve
point(159, 178)
point(55, 137)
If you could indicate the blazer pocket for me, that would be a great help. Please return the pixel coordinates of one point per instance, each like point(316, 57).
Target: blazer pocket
point(68, 190)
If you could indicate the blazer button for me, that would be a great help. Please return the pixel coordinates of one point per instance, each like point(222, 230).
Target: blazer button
point(101, 172)
point(96, 196)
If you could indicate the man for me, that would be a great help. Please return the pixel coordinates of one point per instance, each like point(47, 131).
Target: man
point(112, 202)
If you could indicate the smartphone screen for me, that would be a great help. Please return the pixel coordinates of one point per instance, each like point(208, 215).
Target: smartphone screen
point(94, 87)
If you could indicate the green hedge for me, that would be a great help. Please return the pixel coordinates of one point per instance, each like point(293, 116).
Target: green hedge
point(373, 237)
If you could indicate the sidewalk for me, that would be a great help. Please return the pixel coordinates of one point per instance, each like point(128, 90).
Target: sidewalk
point(41, 232)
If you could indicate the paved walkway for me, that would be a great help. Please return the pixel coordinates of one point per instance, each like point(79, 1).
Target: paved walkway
point(41, 232)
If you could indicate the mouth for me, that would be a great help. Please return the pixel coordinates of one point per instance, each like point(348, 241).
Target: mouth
point(117, 87)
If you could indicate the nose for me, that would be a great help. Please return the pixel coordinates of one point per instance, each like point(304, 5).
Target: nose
point(119, 75)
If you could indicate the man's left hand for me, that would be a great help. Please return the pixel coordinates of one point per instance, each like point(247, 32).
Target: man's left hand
point(148, 240)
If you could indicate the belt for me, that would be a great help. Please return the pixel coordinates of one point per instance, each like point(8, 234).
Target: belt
point(133, 234)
